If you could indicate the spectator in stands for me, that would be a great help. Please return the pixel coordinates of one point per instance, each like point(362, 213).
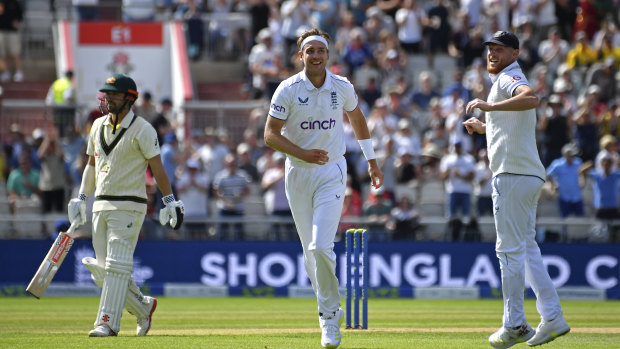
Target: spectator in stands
point(164, 121)
point(439, 28)
point(10, 41)
point(53, 177)
point(455, 129)
point(61, 97)
point(566, 15)
point(610, 120)
point(171, 157)
point(73, 146)
point(457, 170)
point(422, 95)
point(604, 190)
point(407, 140)
point(564, 175)
point(386, 159)
point(553, 50)
point(371, 92)
point(377, 209)
point(12, 146)
point(381, 122)
point(23, 182)
point(411, 20)
point(259, 12)
point(231, 186)
point(404, 220)
point(190, 11)
point(377, 23)
point(406, 167)
point(193, 189)
point(87, 10)
point(324, 15)
point(265, 65)
point(603, 75)
point(245, 164)
point(582, 54)
point(145, 107)
point(585, 119)
point(351, 208)
point(608, 148)
point(483, 189)
point(295, 15)
point(357, 53)
point(555, 127)
point(276, 203)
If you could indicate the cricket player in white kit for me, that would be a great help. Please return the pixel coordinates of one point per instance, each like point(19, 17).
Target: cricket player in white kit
point(120, 146)
point(518, 177)
point(305, 122)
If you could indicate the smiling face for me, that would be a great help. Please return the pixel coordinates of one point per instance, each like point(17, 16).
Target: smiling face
point(314, 55)
point(499, 57)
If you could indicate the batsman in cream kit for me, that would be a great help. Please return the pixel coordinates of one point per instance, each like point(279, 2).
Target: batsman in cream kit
point(306, 122)
point(120, 147)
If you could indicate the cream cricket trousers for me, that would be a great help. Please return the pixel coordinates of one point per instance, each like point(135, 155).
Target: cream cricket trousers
point(316, 195)
point(515, 198)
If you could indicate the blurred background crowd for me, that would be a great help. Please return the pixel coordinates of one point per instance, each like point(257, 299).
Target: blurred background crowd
point(415, 64)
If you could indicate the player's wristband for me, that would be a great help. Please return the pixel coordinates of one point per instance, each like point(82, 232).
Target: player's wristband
point(367, 149)
point(82, 197)
point(168, 199)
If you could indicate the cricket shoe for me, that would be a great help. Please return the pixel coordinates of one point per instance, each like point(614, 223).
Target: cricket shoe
point(549, 330)
point(507, 337)
point(102, 331)
point(330, 329)
point(144, 325)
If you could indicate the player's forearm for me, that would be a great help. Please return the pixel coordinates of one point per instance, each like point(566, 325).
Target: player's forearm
point(282, 144)
point(163, 182)
point(522, 101)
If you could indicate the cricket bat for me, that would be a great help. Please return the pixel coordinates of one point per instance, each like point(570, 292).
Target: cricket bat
point(51, 263)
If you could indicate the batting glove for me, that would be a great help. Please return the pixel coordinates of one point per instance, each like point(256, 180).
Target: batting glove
point(76, 209)
point(173, 212)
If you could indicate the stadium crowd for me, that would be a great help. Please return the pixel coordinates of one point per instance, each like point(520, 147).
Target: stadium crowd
point(414, 64)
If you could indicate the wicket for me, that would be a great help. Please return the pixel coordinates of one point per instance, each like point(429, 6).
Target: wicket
point(356, 241)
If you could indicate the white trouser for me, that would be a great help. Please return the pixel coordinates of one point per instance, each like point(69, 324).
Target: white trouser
point(515, 199)
point(316, 195)
point(115, 234)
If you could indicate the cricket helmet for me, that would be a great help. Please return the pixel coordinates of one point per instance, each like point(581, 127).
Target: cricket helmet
point(121, 83)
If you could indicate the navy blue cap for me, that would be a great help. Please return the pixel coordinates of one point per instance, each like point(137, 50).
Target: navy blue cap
point(504, 38)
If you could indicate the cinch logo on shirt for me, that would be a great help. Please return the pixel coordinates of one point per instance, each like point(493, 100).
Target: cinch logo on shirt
point(278, 108)
point(318, 124)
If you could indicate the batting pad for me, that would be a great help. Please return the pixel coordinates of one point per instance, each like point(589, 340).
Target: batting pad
point(134, 302)
point(118, 267)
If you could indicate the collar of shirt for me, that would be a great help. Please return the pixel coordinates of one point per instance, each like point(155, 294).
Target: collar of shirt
point(124, 124)
point(513, 65)
point(327, 85)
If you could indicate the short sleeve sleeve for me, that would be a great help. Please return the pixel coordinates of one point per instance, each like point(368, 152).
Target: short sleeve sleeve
point(147, 140)
point(350, 97)
point(279, 107)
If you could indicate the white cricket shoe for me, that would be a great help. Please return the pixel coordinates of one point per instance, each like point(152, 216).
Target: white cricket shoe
point(330, 329)
point(507, 337)
point(144, 325)
point(102, 331)
point(549, 330)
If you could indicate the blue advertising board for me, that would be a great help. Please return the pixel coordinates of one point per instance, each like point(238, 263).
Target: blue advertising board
point(400, 266)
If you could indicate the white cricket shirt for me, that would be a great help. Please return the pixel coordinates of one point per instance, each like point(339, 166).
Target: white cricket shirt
point(121, 161)
point(314, 115)
point(511, 135)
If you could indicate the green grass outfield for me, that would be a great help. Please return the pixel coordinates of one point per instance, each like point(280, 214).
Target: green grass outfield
point(291, 323)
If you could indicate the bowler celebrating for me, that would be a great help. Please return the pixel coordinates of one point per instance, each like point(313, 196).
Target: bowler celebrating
point(310, 104)
point(518, 178)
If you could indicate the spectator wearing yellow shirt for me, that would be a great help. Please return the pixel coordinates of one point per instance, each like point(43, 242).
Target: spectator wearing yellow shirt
point(582, 55)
